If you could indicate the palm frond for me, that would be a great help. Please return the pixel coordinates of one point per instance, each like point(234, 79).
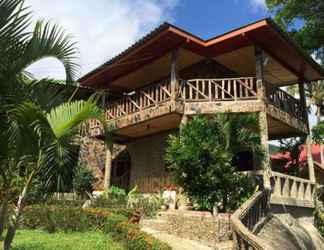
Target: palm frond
point(66, 117)
point(50, 41)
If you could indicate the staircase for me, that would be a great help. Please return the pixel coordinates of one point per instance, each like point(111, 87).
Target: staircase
point(281, 219)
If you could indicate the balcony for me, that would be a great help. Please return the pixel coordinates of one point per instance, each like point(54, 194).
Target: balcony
point(203, 96)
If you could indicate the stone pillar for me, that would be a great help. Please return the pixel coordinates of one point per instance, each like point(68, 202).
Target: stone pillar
point(263, 123)
point(173, 75)
point(108, 166)
point(310, 161)
point(265, 164)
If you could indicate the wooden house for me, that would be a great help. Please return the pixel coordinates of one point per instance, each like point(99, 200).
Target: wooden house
point(171, 75)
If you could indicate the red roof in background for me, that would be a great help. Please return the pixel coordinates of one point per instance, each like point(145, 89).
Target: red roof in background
point(285, 156)
point(265, 33)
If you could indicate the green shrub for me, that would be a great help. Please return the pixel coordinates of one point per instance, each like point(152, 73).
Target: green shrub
point(112, 221)
point(147, 205)
point(83, 180)
point(202, 158)
point(138, 240)
point(73, 219)
point(67, 219)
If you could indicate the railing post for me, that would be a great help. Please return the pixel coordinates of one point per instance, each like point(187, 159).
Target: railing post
point(174, 80)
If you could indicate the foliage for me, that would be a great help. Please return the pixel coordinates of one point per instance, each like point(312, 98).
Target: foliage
point(148, 206)
point(38, 193)
point(136, 239)
point(116, 193)
point(83, 180)
point(201, 158)
point(113, 198)
point(95, 240)
point(309, 32)
point(318, 133)
point(73, 219)
point(67, 219)
point(292, 145)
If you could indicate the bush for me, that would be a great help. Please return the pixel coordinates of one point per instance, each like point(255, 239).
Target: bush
point(148, 206)
point(138, 240)
point(53, 218)
point(202, 159)
point(72, 219)
point(112, 221)
point(114, 198)
point(83, 180)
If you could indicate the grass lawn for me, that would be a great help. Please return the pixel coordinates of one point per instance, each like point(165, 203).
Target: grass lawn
point(40, 240)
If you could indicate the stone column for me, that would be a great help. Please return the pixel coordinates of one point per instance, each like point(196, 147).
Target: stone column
point(310, 161)
point(108, 166)
point(265, 164)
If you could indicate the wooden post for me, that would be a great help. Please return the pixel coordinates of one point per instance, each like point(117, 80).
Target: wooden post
point(302, 98)
point(259, 73)
point(108, 166)
point(174, 80)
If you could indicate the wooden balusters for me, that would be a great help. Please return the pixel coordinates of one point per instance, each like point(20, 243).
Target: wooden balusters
point(228, 89)
point(140, 99)
point(284, 101)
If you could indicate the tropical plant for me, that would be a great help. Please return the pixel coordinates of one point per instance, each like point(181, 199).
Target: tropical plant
point(53, 145)
point(36, 140)
point(83, 180)
point(201, 158)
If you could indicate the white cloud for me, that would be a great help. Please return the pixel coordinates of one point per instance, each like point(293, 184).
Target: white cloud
point(102, 28)
point(258, 4)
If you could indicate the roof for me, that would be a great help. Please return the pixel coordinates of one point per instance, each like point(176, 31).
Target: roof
point(166, 37)
point(285, 156)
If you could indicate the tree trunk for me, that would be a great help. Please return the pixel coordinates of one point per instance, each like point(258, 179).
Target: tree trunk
point(3, 214)
point(14, 220)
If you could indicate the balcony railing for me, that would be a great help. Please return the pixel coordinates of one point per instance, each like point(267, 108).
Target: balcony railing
point(140, 99)
point(244, 220)
point(290, 188)
point(200, 90)
point(285, 101)
point(228, 89)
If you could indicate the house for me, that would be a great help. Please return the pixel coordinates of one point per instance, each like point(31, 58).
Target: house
point(170, 75)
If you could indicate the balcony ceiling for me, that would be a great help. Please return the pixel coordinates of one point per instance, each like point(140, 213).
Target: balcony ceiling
point(164, 39)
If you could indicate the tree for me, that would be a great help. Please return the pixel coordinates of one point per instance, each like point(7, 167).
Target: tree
point(19, 48)
point(305, 21)
point(201, 157)
point(52, 148)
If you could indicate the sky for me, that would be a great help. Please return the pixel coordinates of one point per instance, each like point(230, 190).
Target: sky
point(104, 28)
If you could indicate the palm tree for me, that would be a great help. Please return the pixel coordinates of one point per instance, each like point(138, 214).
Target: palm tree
point(19, 48)
point(52, 148)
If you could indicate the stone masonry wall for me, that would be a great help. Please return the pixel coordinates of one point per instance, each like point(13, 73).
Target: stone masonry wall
point(148, 170)
point(93, 155)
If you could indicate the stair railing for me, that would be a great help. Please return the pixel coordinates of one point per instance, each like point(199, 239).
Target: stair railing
point(245, 218)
